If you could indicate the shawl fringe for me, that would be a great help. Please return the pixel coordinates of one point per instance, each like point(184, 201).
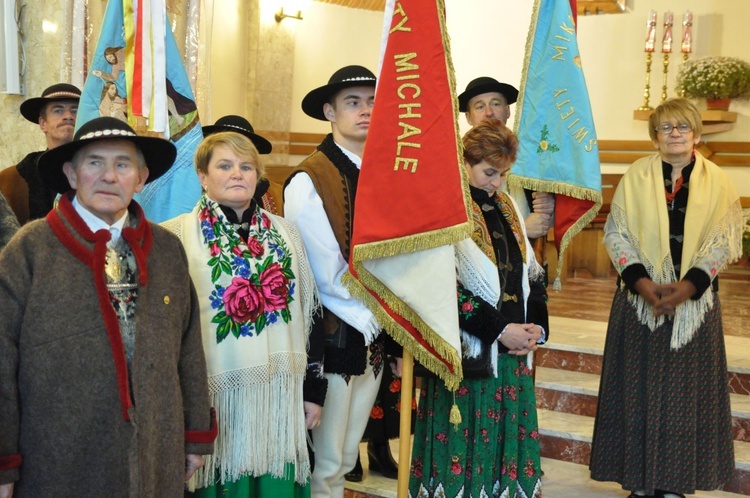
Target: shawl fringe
point(688, 318)
point(477, 272)
point(246, 401)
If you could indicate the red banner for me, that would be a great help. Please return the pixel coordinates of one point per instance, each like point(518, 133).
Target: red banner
point(411, 203)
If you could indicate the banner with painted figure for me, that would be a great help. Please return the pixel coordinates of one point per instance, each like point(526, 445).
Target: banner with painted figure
point(411, 204)
point(137, 75)
point(558, 149)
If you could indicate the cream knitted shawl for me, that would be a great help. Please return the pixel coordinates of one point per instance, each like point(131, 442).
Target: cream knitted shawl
point(713, 225)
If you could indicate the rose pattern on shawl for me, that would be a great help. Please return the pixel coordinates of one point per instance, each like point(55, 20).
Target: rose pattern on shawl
point(467, 304)
point(243, 301)
point(376, 412)
point(255, 247)
point(262, 281)
point(275, 287)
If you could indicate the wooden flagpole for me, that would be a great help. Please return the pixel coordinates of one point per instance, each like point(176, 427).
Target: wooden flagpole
point(404, 448)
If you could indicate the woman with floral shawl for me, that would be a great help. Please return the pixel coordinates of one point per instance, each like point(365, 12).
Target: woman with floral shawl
point(257, 298)
point(663, 424)
point(494, 450)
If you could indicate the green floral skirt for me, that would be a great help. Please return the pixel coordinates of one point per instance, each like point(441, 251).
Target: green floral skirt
point(493, 452)
point(265, 486)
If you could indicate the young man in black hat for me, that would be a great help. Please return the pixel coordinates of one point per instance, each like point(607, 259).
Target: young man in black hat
point(103, 386)
point(55, 113)
point(486, 98)
point(319, 198)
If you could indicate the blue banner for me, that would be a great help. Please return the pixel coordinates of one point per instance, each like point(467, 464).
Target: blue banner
point(558, 147)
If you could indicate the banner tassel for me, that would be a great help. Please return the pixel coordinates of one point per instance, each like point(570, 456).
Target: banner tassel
point(558, 284)
point(455, 415)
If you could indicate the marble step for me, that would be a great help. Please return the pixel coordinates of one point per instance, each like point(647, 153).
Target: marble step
point(576, 392)
point(567, 437)
point(578, 345)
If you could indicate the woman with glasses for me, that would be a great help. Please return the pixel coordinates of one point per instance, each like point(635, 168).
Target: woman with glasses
point(663, 424)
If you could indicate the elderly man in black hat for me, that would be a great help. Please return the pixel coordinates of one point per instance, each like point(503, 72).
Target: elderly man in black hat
point(103, 387)
point(319, 198)
point(55, 113)
point(486, 98)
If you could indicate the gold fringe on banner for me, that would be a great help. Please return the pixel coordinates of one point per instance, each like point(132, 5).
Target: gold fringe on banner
point(574, 229)
point(412, 243)
point(555, 187)
point(575, 191)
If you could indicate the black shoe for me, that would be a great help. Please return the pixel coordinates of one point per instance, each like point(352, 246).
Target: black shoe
point(381, 459)
point(355, 475)
point(633, 495)
point(660, 493)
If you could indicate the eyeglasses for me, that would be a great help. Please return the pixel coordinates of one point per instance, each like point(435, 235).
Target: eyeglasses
point(666, 128)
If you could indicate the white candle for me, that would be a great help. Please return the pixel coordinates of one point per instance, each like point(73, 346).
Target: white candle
point(666, 44)
point(651, 31)
point(687, 37)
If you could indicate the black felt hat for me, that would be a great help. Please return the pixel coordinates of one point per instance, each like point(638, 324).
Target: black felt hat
point(346, 77)
point(486, 84)
point(62, 91)
point(240, 125)
point(159, 153)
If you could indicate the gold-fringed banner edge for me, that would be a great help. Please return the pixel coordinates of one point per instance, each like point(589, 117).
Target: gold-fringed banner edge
point(363, 287)
point(411, 243)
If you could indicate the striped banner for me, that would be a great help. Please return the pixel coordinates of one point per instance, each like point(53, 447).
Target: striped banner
point(137, 75)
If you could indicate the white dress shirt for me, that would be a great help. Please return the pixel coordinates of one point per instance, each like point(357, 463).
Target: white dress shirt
point(95, 223)
point(304, 207)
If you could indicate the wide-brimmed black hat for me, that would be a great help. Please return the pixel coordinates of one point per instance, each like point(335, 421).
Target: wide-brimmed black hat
point(346, 77)
point(62, 91)
point(159, 153)
point(240, 125)
point(486, 84)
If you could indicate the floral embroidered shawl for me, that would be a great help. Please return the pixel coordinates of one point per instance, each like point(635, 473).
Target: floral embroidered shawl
point(257, 301)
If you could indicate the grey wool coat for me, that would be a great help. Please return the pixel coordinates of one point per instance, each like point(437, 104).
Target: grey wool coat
point(8, 222)
point(73, 420)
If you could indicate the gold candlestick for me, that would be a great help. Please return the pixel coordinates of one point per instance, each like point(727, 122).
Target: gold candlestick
point(647, 90)
point(650, 42)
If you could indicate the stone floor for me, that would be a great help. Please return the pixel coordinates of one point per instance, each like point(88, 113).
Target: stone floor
point(561, 480)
